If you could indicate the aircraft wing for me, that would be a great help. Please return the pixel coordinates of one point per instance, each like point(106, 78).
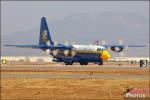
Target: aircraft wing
point(62, 47)
point(109, 46)
point(136, 45)
point(119, 47)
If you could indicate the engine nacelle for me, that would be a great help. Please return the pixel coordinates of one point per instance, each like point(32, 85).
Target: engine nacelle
point(116, 48)
point(69, 53)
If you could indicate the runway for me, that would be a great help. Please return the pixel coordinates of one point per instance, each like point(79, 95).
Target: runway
point(75, 71)
point(73, 76)
point(69, 67)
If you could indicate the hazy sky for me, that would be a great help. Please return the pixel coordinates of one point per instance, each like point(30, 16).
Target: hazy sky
point(25, 15)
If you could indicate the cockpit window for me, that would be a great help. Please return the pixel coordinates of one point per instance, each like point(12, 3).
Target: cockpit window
point(99, 49)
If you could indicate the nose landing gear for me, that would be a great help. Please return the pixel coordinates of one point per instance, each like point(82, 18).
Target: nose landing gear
point(100, 63)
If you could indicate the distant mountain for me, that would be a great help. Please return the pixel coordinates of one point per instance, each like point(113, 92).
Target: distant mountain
point(84, 29)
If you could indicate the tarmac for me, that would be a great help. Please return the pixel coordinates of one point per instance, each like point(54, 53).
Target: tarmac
point(77, 71)
point(73, 76)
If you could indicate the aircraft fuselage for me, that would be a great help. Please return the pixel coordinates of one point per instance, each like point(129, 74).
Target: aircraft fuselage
point(82, 54)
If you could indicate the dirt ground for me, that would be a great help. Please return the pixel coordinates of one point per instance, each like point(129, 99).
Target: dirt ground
point(70, 88)
point(56, 88)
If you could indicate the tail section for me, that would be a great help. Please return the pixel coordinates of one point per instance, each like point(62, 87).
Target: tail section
point(45, 38)
point(45, 41)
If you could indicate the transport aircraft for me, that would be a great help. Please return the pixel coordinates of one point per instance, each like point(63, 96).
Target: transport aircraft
point(69, 54)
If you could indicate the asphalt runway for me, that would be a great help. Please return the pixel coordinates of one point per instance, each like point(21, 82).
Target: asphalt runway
point(68, 68)
point(74, 76)
point(74, 68)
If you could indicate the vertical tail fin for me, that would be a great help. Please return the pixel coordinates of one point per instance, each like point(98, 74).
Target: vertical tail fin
point(45, 38)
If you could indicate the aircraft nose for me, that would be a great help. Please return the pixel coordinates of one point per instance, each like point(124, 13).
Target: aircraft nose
point(105, 55)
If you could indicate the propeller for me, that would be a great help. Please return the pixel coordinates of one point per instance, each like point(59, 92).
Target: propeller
point(97, 42)
point(55, 52)
point(48, 43)
point(120, 42)
point(109, 49)
point(73, 53)
point(55, 43)
point(48, 51)
point(122, 54)
point(66, 52)
point(103, 42)
point(126, 47)
point(66, 43)
point(73, 43)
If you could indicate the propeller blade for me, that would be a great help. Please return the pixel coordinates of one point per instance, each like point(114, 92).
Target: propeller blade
point(48, 43)
point(122, 53)
point(103, 42)
point(55, 52)
point(66, 43)
point(73, 43)
point(126, 47)
point(55, 43)
point(48, 51)
point(121, 42)
point(97, 42)
point(73, 53)
point(109, 49)
point(66, 52)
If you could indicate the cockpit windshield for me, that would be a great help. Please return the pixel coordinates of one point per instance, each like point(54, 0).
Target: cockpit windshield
point(101, 49)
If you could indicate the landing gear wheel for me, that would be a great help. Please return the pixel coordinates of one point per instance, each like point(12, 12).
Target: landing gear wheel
point(100, 63)
point(85, 63)
point(66, 63)
point(69, 63)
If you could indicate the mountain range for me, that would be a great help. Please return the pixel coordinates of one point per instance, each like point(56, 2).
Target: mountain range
point(84, 28)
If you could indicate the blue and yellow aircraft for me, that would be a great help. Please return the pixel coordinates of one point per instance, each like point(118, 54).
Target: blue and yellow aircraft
point(69, 54)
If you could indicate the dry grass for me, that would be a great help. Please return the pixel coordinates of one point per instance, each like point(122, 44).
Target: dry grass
point(69, 88)
point(50, 88)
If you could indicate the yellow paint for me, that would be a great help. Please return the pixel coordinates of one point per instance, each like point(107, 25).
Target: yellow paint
point(105, 55)
point(44, 36)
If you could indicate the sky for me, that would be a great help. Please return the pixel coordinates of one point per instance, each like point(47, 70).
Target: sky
point(23, 18)
point(25, 15)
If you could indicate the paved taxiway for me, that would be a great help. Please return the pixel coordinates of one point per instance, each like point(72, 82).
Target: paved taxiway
point(75, 68)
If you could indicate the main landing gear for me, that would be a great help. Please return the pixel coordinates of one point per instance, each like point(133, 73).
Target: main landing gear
point(83, 63)
point(100, 63)
point(68, 63)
